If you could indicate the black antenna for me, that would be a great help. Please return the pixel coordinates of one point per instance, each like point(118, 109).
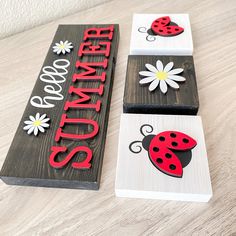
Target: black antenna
point(142, 30)
point(138, 147)
point(150, 38)
point(146, 130)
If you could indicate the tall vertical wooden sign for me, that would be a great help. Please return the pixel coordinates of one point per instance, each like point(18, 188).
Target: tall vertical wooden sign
point(61, 136)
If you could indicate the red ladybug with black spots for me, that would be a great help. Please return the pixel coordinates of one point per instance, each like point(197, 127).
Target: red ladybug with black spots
point(162, 26)
point(169, 151)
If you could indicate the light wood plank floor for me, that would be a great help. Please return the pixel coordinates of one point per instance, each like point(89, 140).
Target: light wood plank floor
point(43, 211)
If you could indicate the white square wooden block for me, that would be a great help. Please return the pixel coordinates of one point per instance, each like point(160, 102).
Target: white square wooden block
point(138, 177)
point(143, 43)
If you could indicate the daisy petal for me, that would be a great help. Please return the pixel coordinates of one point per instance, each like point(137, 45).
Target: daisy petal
point(147, 73)
point(151, 68)
point(32, 118)
point(153, 85)
point(37, 116)
point(42, 117)
point(175, 71)
point(45, 120)
point(159, 65)
point(58, 52)
point(169, 66)
point(27, 127)
point(41, 129)
point(176, 77)
point(45, 125)
point(146, 80)
point(30, 130)
point(172, 83)
point(35, 131)
point(163, 86)
point(58, 44)
point(28, 122)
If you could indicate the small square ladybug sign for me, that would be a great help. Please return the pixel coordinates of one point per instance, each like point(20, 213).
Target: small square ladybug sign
point(161, 34)
point(162, 157)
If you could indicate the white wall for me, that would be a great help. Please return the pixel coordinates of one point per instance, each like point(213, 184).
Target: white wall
point(20, 15)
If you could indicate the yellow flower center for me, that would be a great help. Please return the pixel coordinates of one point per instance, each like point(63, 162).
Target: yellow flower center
point(161, 75)
point(62, 46)
point(37, 123)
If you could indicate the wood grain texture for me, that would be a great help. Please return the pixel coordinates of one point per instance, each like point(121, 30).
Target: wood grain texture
point(27, 162)
point(42, 211)
point(138, 98)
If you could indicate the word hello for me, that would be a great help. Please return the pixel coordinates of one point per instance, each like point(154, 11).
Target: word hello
point(53, 76)
point(88, 72)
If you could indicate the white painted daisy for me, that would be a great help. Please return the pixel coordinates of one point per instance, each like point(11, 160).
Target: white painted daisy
point(161, 76)
point(36, 124)
point(62, 47)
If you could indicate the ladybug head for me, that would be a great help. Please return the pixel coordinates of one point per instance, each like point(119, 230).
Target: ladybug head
point(136, 146)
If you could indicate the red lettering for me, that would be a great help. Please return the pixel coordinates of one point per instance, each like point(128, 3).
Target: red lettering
point(88, 74)
point(85, 164)
point(94, 49)
point(84, 98)
point(99, 32)
point(64, 119)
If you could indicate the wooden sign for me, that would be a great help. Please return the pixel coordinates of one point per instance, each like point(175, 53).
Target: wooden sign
point(61, 137)
point(161, 85)
point(162, 157)
point(161, 34)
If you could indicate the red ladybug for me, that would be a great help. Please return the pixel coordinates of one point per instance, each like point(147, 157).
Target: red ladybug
point(169, 151)
point(162, 26)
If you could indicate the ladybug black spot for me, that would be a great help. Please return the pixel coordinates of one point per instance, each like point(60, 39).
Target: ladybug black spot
point(176, 29)
point(168, 27)
point(159, 160)
point(162, 23)
point(168, 155)
point(156, 21)
point(160, 30)
point(174, 144)
point(162, 138)
point(172, 135)
point(156, 149)
point(185, 140)
point(164, 18)
point(172, 167)
point(168, 32)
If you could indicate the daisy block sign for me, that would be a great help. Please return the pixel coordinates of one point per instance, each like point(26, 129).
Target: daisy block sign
point(160, 85)
point(161, 34)
point(162, 157)
point(61, 137)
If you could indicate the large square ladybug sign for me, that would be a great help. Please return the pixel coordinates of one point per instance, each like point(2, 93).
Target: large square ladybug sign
point(162, 157)
point(161, 34)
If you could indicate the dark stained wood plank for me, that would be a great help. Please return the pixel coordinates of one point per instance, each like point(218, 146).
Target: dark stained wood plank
point(27, 162)
point(138, 99)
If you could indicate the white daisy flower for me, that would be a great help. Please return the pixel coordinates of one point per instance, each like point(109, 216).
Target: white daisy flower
point(36, 124)
point(161, 76)
point(62, 47)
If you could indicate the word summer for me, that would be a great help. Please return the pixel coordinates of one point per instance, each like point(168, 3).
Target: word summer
point(100, 47)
